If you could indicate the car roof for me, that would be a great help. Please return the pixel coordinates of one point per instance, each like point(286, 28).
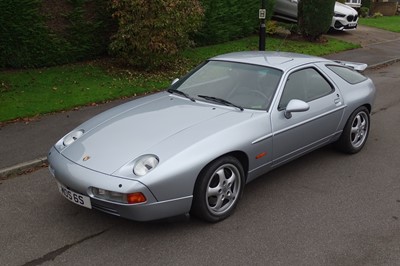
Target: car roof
point(280, 60)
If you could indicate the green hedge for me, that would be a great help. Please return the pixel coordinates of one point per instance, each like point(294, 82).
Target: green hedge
point(226, 20)
point(28, 41)
point(315, 17)
point(24, 38)
point(34, 34)
point(366, 3)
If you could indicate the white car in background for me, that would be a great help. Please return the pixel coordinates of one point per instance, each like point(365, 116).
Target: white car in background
point(344, 18)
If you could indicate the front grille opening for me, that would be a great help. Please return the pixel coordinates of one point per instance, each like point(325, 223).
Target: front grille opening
point(105, 209)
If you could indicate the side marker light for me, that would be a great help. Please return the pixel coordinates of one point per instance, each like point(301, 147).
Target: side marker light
point(259, 156)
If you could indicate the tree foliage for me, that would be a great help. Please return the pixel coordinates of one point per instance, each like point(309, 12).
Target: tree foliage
point(151, 33)
point(315, 17)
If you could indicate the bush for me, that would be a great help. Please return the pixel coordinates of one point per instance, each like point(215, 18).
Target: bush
point(226, 20)
point(272, 27)
point(364, 12)
point(152, 33)
point(377, 15)
point(315, 17)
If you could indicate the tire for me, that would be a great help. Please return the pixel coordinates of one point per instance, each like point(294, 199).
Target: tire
point(218, 189)
point(355, 132)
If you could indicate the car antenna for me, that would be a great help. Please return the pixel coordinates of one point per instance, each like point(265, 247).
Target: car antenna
point(284, 40)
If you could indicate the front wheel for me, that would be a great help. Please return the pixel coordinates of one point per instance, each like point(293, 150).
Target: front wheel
point(218, 189)
point(356, 131)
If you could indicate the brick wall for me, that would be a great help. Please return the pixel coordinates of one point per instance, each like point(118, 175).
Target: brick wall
point(386, 8)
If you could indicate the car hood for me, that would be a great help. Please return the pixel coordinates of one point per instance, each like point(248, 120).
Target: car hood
point(344, 9)
point(118, 136)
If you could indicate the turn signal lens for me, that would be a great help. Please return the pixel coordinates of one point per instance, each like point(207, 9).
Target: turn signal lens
point(135, 198)
point(132, 198)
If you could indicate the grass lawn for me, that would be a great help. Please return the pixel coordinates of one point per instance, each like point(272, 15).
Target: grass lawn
point(28, 93)
point(387, 23)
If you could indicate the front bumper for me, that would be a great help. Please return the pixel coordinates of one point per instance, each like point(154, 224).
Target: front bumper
point(344, 23)
point(81, 179)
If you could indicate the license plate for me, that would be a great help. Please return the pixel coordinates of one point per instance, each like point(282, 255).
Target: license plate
point(352, 24)
point(74, 197)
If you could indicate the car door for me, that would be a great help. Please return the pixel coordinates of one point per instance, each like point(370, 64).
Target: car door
point(306, 130)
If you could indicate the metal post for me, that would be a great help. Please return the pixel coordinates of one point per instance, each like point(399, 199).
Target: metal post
point(262, 15)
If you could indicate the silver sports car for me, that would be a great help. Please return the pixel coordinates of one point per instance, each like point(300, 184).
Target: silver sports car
point(192, 148)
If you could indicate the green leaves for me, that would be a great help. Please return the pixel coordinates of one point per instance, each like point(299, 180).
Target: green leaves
point(315, 17)
point(227, 20)
point(152, 33)
point(34, 34)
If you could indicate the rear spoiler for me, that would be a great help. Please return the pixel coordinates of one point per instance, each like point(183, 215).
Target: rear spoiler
point(360, 67)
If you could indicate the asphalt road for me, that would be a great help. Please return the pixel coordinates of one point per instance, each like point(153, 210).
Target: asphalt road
point(323, 209)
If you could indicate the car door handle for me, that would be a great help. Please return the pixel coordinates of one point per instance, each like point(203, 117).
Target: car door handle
point(337, 101)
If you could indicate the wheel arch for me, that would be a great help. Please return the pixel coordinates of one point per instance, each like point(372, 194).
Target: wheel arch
point(368, 106)
point(345, 142)
point(348, 114)
point(200, 206)
point(239, 155)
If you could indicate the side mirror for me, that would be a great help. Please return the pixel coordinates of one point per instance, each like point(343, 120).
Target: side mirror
point(174, 81)
point(295, 106)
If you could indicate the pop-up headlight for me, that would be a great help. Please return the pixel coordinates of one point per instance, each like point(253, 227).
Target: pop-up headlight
point(145, 164)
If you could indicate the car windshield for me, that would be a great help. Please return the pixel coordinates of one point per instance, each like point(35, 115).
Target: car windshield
point(235, 84)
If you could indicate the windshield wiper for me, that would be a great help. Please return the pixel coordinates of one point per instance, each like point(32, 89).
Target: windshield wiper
point(219, 100)
point(181, 93)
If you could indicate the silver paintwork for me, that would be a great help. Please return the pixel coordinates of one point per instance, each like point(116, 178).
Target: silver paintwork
point(187, 135)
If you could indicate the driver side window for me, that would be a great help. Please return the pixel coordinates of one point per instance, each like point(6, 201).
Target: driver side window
point(306, 85)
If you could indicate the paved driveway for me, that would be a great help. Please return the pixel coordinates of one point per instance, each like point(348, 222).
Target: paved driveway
point(366, 36)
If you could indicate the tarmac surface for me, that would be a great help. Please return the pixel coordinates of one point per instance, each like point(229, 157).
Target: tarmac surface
point(24, 145)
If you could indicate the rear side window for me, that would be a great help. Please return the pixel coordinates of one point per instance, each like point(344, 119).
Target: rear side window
point(306, 85)
point(349, 75)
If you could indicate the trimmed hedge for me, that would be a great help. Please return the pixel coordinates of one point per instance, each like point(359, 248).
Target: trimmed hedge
point(366, 3)
point(226, 20)
point(28, 41)
point(37, 33)
point(315, 17)
point(89, 29)
point(25, 41)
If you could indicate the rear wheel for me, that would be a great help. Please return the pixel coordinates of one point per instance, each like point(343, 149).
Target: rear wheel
point(218, 189)
point(355, 133)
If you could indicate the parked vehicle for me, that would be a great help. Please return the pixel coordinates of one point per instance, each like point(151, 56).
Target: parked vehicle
point(193, 147)
point(345, 17)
